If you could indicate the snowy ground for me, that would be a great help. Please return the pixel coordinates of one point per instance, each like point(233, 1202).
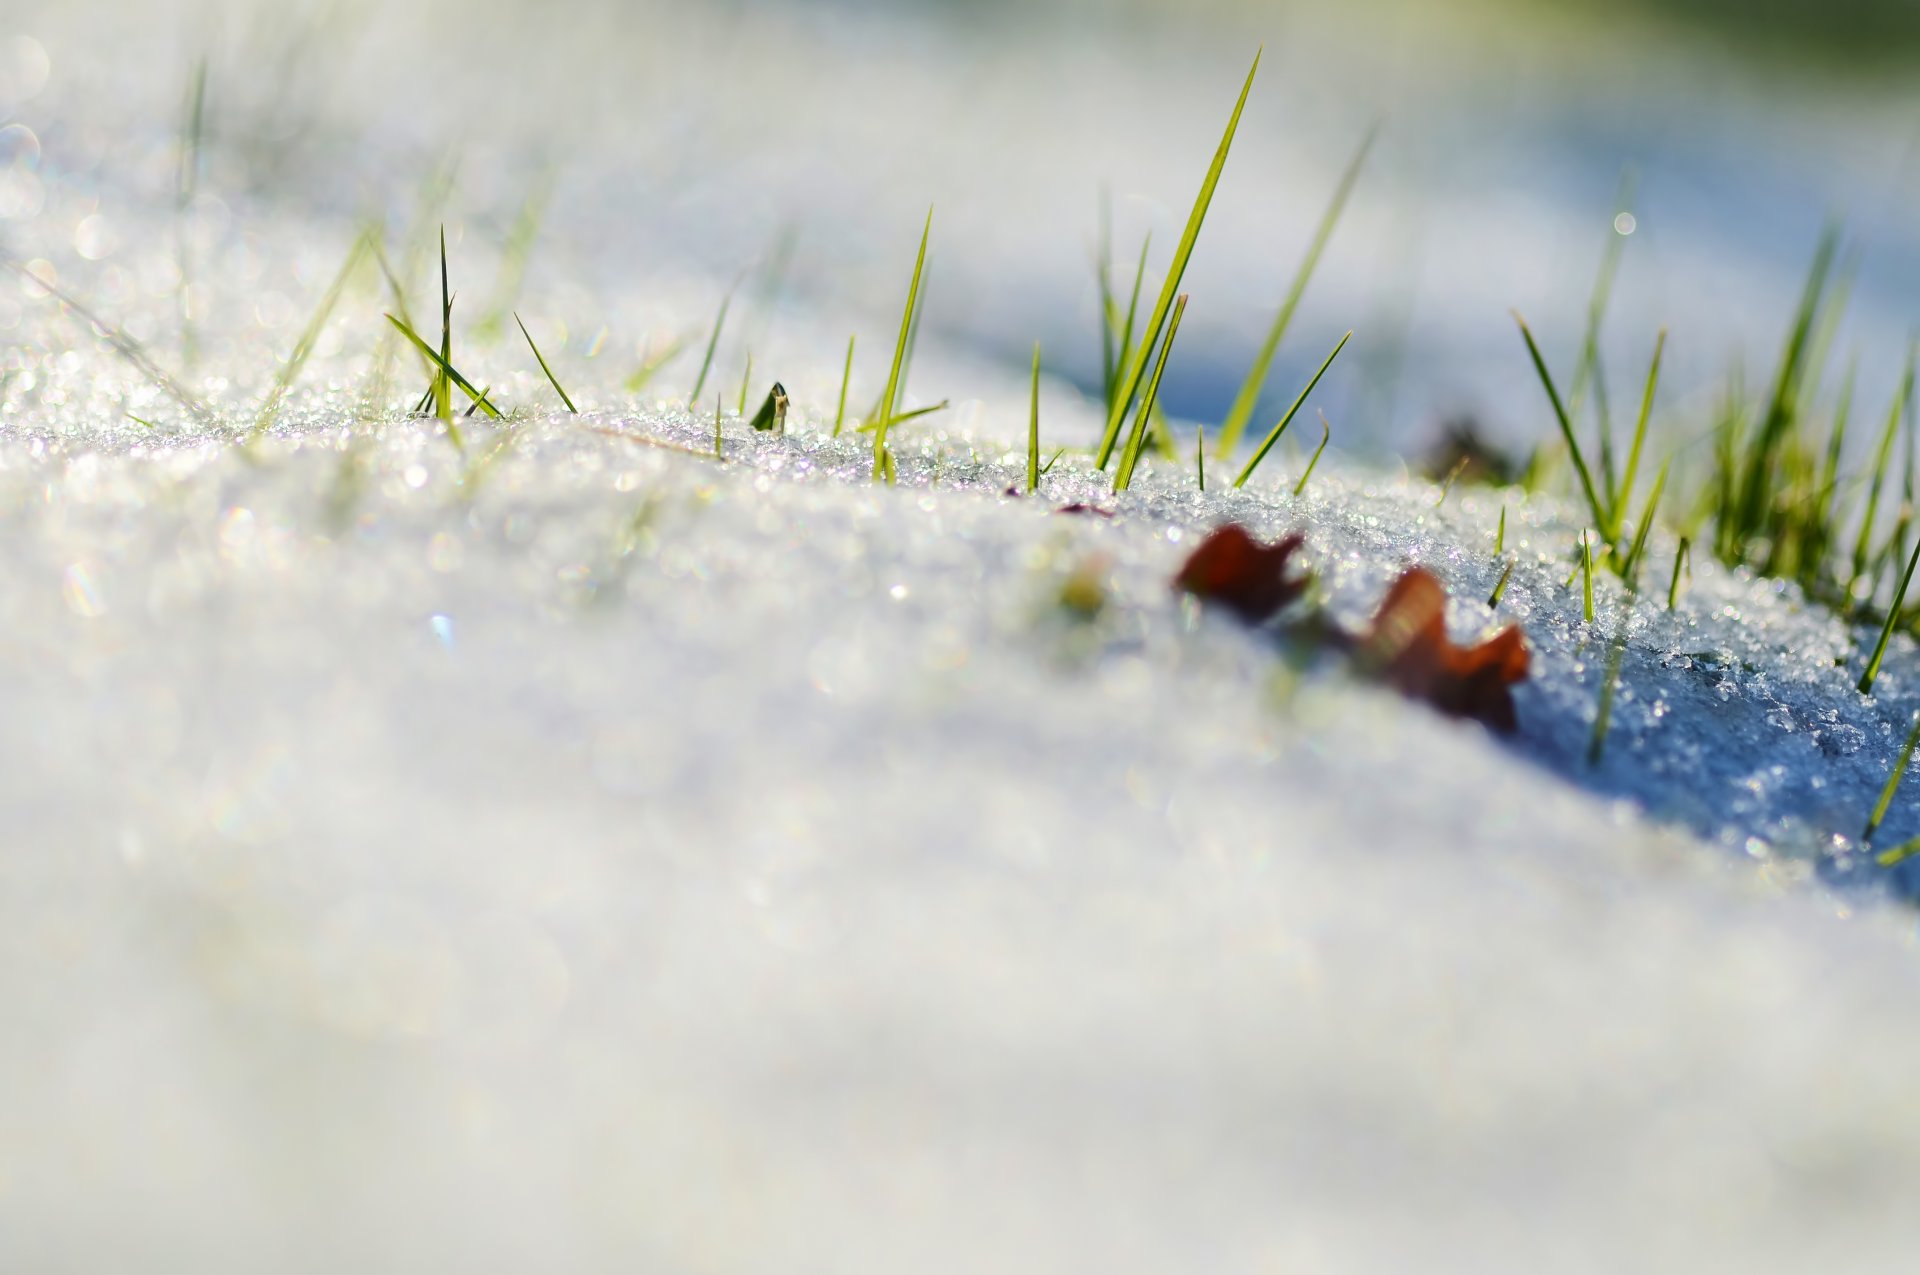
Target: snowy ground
point(578, 854)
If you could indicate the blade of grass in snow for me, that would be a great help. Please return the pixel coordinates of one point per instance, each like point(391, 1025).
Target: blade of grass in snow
point(1882, 464)
point(186, 189)
point(1133, 364)
point(1273, 437)
point(1680, 556)
point(1123, 337)
point(746, 379)
point(713, 343)
point(1500, 534)
point(1131, 457)
point(1566, 424)
point(1623, 494)
point(514, 255)
point(303, 348)
point(1500, 589)
point(1447, 486)
point(1249, 396)
point(1586, 573)
point(1603, 715)
point(1033, 426)
point(125, 346)
point(846, 379)
point(442, 388)
point(542, 360)
point(882, 466)
point(650, 366)
point(1200, 456)
point(1326, 433)
point(1630, 569)
point(1893, 781)
point(1886, 630)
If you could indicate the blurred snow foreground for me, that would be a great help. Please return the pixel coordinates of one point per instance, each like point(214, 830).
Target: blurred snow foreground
point(583, 852)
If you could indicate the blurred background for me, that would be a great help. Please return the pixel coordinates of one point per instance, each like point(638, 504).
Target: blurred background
point(656, 154)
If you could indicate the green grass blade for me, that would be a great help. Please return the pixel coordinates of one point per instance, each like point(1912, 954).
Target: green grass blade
point(890, 396)
point(1260, 454)
point(746, 379)
point(1133, 365)
point(1131, 457)
point(1500, 589)
point(1886, 630)
point(1565, 423)
point(1200, 456)
point(650, 366)
point(1124, 338)
point(1500, 534)
point(1630, 568)
point(1623, 494)
point(303, 348)
point(1603, 715)
point(1882, 464)
point(1249, 396)
point(846, 379)
point(442, 389)
point(1033, 426)
point(713, 343)
point(772, 415)
point(1586, 573)
point(1326, 434)
point(1682, 555)
point(1103, 282)
point(542, 360)
point(1881, 807)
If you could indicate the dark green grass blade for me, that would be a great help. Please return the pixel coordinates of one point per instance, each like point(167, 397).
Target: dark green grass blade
point(1033, 426)
point(1500, 589)
point(1881, 807)
point(1136, 440)
point(303, 348)
point(1586, 574)
point(1886, 630)
point(432, 356)
point(713, 343)
point(1133, 364)
point(1326, 435)
point(1565, 423)
point(542, 360)
point(890, 396)
point(442, 389)
point(1200, 456)
point(1758, 474)
point(1260, 453)
point(1249, 397)
point(1681, 557)
point(1500, 534)
point(1623, 494)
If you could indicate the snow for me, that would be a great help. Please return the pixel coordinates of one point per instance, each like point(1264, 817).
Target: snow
point(582, 854)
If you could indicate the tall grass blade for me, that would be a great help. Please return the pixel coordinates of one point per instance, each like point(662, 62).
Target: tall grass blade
point(1566, 425)
point(1135, 441)
point(846, 379)
point(889, 398)
point(1882, 465)
point(1033, 426)
point(1249, 396)
point(1622, 496)
point(713, 343)
point(303, 348)
point(1133, 365)
point(433, 358)
point(1630, 568)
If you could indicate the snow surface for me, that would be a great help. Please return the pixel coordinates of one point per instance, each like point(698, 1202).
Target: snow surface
point(582, 854)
